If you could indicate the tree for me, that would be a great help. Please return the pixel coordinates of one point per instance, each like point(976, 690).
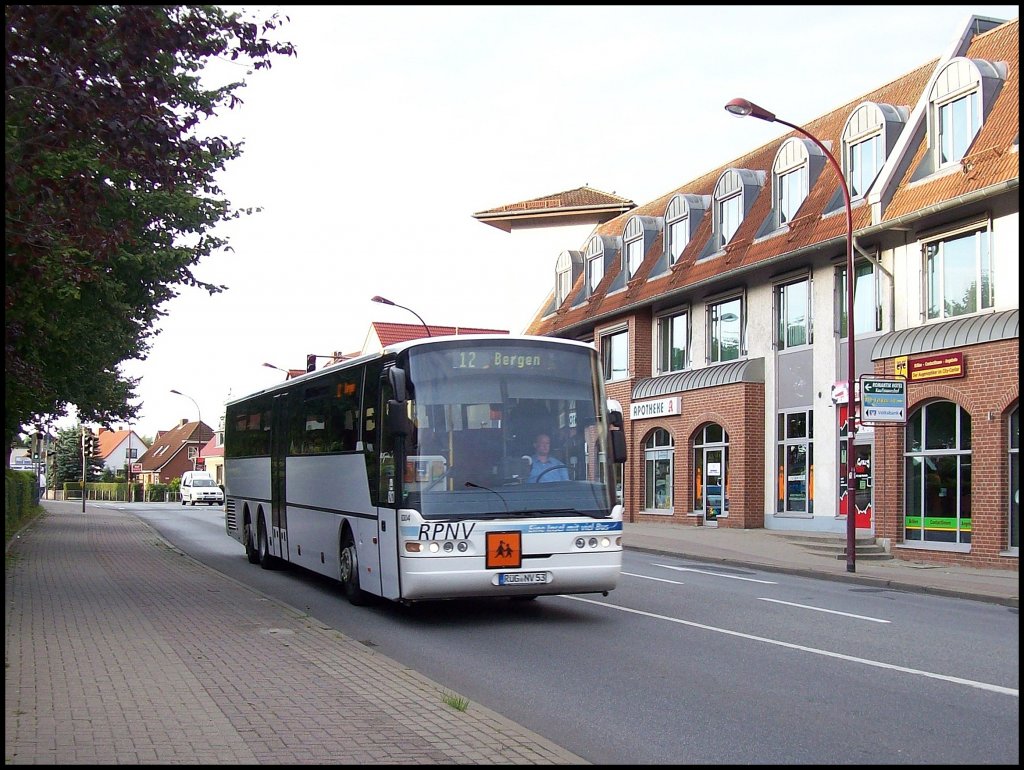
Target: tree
point(67, 462)
point(111, 192)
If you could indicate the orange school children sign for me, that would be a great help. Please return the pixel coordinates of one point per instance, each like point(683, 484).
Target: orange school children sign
point(938, 367)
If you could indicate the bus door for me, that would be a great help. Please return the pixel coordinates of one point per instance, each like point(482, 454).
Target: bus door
point(279, 443)
point(389, 494)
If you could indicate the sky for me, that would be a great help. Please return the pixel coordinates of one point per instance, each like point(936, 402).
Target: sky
point(371, 149)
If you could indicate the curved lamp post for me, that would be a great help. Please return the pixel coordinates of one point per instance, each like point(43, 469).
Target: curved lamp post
point(199, 416)
point(743, 108)
point(385, 301)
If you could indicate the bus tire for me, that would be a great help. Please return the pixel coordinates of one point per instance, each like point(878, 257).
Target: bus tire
point(350, 572)
point(264, 556)
point(250, 548)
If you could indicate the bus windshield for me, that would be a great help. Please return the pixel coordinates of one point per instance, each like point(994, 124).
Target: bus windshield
point(506, 428)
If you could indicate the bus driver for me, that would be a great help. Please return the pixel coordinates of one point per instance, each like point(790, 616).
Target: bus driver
point(551, 468)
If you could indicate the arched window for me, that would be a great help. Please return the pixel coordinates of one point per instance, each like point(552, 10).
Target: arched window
point(869, 135)
point(790, 179)
point(938, 474)
point(734, 195)
point(658, 453)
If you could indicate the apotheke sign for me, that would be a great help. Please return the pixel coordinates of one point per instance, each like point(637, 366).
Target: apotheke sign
point(662, 407)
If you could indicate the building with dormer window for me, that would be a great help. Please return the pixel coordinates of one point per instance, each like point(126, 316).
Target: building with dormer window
point(720, 313)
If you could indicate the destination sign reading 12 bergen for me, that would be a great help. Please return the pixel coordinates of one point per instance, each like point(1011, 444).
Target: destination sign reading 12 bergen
point(497, 358)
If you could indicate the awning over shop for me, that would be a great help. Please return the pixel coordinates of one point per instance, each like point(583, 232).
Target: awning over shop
point(751, 370)
point(957, 333)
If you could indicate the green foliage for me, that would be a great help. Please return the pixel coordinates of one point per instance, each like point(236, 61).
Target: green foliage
point(457, 702)
point(67, 461)
point(21, 502)
point(111, 193)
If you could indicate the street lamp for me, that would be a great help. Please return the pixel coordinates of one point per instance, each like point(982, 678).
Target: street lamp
point(199, 416)
point(742, 108)
point(384, 301)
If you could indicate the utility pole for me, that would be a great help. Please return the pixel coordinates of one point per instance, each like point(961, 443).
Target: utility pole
point(85, 445)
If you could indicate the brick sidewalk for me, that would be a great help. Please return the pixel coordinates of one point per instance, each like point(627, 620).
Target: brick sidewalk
point(119, 649)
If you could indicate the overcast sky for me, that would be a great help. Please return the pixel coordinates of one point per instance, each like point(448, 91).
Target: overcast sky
point(371, 150)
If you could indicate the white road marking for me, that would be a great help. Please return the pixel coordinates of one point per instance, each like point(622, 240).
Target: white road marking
point(717, 574)
point(813, 650)
point(659, 580)
point(820, 609)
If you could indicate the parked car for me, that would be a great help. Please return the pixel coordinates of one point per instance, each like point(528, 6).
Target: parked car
point(200, 487)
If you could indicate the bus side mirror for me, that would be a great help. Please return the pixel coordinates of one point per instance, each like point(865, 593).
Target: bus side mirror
point(396, 420)
point(398, 382)
point(616, 435)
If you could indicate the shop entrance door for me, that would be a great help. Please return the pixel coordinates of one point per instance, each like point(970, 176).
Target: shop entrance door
point(714, 495)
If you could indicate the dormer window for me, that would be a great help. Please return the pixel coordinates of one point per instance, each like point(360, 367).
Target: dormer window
point(790, 180)
point(634, 246)
point(735, 193)
point(595, 264)
point(600, 253)
point(638, 236)
point(730, 214)
point(682, 215)
point(870, 134)
point(567, 269)
point(960, 97)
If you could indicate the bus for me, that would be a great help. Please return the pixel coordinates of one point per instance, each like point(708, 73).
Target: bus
point(404, 474)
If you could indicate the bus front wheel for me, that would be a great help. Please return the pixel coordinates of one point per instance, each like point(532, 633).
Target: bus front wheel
point(350, 572)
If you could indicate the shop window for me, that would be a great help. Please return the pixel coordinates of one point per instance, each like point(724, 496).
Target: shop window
point(938, 474)
point(658, 454)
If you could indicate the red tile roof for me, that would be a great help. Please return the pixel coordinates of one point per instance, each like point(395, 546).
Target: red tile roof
point(390, 333)
point(993, 159)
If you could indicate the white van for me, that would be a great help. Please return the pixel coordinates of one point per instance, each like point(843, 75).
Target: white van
point(199, 487)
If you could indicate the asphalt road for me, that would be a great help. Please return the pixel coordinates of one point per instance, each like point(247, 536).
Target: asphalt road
point(691, 663)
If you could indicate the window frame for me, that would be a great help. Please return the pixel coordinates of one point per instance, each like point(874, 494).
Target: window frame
point(713, 324)
point(665, 343)
point(785, 443)
point(782, 305)
point(657, 458)
point(934, 279)
point(614, 345)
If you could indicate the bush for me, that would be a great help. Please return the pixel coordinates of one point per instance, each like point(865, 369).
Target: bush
point(21, 500)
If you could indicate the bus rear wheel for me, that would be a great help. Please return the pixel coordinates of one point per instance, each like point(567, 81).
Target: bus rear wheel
point(266, 560)
point(250, 548)
point(350, 572)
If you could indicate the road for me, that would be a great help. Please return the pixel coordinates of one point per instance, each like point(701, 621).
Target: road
point(690, 663)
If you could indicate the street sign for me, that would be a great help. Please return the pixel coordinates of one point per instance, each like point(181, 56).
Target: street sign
point(883, 399)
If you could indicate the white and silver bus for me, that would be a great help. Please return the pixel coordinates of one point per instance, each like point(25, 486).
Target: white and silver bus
point(405, 474)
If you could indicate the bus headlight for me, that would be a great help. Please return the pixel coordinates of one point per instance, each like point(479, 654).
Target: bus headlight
point(434, 547)
point(449, 546)
point(463, 546)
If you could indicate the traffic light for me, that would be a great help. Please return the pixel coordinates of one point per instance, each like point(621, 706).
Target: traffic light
point(90, 443)
point(311, 362)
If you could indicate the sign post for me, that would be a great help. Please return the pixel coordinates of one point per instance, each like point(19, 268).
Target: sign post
point(883, 399)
